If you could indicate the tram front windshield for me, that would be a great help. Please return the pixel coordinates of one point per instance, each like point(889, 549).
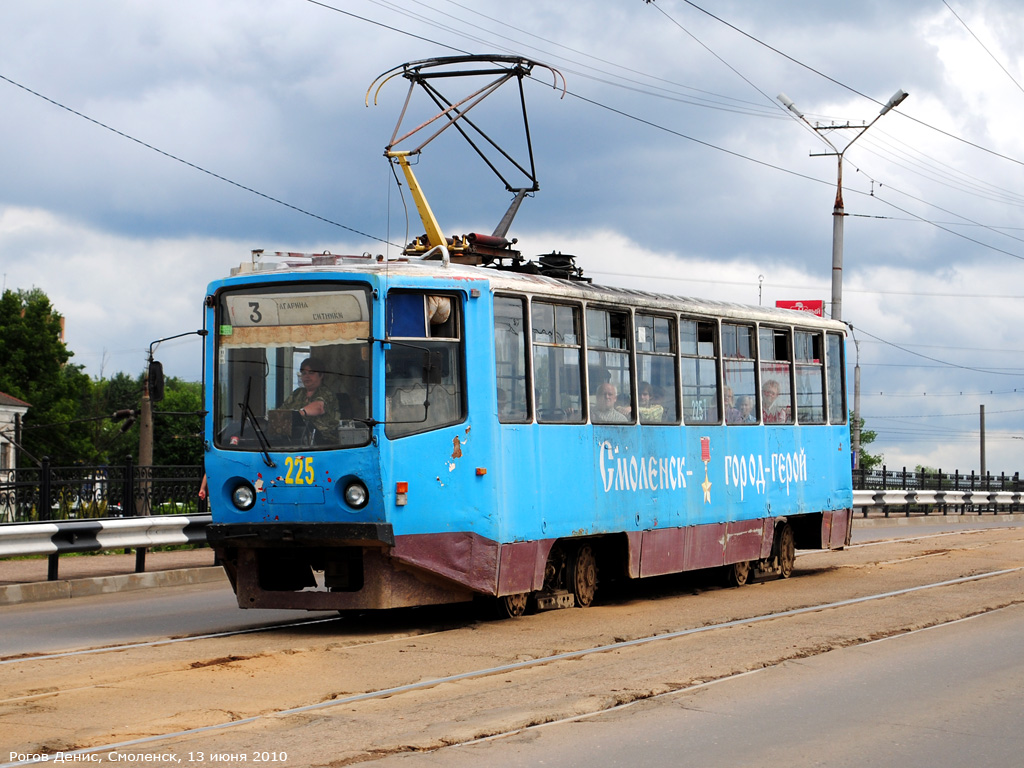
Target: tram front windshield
point(293, 368)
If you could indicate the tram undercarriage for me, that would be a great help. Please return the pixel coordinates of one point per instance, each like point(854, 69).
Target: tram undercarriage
point(298, 567)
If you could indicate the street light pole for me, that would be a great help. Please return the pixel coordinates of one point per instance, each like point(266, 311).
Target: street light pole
point(146, 423)
point(838, 214)
point(838, 211)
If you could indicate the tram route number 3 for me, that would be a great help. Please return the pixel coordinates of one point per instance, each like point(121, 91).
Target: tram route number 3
point(300, 470)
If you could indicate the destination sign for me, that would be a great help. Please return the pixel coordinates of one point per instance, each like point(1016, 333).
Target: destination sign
point(272, 309)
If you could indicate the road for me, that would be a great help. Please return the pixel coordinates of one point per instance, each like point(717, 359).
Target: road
point(131, 617)
point(338, 692)
point(913, 700)
point(899, 526)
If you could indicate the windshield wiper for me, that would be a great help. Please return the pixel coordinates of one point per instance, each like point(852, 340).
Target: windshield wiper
point(244, 405)
point(248, 415)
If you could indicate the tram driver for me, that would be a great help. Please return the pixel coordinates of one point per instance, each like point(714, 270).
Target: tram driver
point(314, 401)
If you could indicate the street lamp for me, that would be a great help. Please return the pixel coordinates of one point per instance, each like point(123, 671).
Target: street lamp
point(838, 211)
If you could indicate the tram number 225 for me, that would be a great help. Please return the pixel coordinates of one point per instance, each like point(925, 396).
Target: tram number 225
point(300, 470)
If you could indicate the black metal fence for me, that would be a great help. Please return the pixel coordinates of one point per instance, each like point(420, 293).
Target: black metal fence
point(42, 493)
point(885, 479)
point(947, 486)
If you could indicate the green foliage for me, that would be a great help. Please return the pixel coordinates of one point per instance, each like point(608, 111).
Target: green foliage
point(867, 461)
point(36, 370)
point(177, 429)
point(68, 420)
point(110, 444)
point(933, 478)
point(178, 439)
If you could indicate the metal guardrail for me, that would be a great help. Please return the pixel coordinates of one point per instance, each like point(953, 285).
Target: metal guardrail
point(931, 498)
point(65, 537)
point(70, 536)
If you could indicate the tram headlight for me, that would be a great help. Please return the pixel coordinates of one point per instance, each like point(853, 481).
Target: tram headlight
point(243, 497)
point(356, 495)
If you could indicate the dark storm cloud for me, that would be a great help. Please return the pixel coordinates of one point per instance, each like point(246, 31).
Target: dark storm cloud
point(670, 160)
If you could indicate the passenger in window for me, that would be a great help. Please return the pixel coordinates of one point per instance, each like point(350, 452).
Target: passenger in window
point(732, 412)
point(604, 406)
point(772, 410)
point(622, 405)
point(651, 411)
point(439, 309)
point(745, 411)
point(313, 400)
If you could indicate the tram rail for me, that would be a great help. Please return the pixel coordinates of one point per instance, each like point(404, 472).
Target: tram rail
point(508, 668)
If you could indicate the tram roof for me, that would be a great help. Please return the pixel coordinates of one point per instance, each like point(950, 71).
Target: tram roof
point(521, 282)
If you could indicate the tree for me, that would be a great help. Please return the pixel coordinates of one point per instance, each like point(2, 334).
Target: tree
point(69, 419)
point(178, 428)
point(35, 369)
point(110, 441)
point(867, 461)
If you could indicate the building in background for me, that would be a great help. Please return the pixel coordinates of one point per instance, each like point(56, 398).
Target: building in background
point(11, 412)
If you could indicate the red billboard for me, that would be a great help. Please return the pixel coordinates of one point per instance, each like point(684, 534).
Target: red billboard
point(814, 306)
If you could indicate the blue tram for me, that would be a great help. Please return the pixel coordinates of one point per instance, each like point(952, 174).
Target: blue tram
point(414, 431)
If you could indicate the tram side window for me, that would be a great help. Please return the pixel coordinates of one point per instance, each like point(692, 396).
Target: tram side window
point(699, 352)
point(424, 379)
point(656, 361)
point(776, 393)
point(510, 358)
point(834, 369)
point(810, 377)
point(608, 367)
point(739, 394)
point(557, 372)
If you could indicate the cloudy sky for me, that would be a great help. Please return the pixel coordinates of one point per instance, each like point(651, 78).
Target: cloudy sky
point(146, 148)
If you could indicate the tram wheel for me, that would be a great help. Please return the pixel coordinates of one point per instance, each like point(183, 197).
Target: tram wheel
point(737, 574)
point(787, 551)
point(583, 576)
point(512, 606)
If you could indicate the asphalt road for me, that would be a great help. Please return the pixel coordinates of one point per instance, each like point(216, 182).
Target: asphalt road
point(947, 696)
point(897, 527)
point(131, 617)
